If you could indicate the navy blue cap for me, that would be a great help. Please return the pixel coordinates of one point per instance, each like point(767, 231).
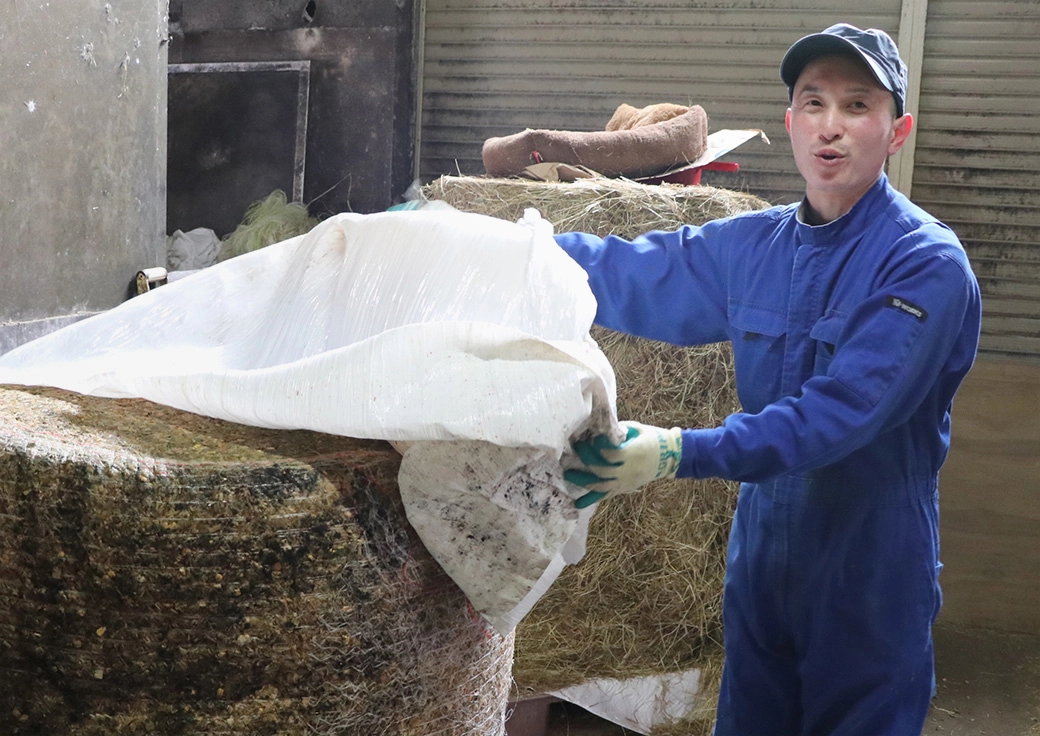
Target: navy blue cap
point(874, 46)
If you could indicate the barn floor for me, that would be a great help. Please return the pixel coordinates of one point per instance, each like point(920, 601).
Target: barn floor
point(989, 685)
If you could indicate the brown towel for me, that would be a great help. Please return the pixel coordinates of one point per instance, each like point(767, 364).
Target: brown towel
point(640, 151)
point(627, 117)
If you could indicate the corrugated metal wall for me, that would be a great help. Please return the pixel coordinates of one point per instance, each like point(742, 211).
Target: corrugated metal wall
point(495, 67)
point(977, 164)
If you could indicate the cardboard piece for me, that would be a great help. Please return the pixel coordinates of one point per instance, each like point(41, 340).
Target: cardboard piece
point(720, 143)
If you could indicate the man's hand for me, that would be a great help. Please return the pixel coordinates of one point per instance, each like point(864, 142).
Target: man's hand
point(647, 453)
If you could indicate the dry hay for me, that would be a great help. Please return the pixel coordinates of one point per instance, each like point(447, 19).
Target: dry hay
point(162, 572)
point(647, 597)
point(599, 205)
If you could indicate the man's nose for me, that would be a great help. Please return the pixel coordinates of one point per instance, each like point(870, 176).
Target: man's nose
point(832, 125)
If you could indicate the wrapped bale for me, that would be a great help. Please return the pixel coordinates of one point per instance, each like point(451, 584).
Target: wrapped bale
point(162, 572)
point(647, 597)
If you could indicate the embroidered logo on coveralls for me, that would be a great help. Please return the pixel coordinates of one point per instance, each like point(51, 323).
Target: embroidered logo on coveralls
point(909, 307)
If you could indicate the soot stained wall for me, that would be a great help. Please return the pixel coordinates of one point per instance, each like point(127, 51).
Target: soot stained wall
point(360, 131)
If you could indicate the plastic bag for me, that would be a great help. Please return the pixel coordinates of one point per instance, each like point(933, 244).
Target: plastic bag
point(462, 338)
point(192, 250)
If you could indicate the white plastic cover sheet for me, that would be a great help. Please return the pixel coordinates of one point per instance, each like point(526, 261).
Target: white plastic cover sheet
point(462, 338)
point(641, 704)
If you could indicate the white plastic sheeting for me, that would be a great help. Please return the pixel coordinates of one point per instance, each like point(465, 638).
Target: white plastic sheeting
point(462, 338)
point(641, 704)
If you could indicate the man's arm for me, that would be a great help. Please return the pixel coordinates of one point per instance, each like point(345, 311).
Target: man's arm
point(668, 286)
point(892, 351)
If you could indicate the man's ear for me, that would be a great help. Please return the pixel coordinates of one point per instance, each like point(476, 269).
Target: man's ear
point(787, 121)
point(900, 132)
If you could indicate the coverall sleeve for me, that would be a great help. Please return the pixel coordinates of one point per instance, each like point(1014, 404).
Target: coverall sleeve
point(888, 358)
point(666, 286)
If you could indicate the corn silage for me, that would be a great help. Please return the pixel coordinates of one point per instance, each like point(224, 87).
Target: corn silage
point(163, 572)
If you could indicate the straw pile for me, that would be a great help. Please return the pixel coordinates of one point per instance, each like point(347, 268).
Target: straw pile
point(647, 597)
point(599, 205)
point(162, 572)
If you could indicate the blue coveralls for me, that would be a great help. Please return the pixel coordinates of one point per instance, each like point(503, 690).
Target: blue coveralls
point(850, 340)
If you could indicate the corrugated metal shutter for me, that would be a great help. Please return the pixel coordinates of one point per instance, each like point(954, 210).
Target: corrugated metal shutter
point(495, 67)
point(977, 164)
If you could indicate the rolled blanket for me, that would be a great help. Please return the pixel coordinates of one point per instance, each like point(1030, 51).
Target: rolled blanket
point(640, 151)
point(627, 117)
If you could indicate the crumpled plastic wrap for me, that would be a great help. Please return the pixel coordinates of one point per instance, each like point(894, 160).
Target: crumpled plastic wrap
point(640, 704)
point(192, 250)
point(461, 338)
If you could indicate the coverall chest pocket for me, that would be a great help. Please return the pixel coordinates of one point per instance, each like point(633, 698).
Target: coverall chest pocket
point(759, 336)
point(827, 334)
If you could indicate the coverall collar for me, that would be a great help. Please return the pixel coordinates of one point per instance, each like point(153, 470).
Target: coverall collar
point(853, 220)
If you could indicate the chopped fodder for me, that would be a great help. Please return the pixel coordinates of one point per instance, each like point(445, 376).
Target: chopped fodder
point(267, 221)
point(647, 597)
point(162, 572)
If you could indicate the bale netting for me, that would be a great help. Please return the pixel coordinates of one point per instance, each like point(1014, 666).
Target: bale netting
point(647, 597)
point(166, 573)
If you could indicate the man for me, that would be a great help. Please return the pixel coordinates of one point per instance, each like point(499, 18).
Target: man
point(854, 316)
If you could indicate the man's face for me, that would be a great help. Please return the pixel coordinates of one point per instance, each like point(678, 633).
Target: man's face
point(843, 128)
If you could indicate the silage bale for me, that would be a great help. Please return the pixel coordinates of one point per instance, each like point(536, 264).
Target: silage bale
point(647, 597)
point(163, 572)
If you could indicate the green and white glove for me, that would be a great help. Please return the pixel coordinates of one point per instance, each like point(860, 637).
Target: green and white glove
point(647, 453)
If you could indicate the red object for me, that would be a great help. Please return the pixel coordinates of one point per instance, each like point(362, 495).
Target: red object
point(693, 174)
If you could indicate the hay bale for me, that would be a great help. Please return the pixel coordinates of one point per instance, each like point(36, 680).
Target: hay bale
point(162, 572)
point(647, 598)
point(598, 205)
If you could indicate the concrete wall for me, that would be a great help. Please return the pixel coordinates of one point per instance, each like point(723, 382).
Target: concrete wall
point(83, 140)
point(990, 500)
